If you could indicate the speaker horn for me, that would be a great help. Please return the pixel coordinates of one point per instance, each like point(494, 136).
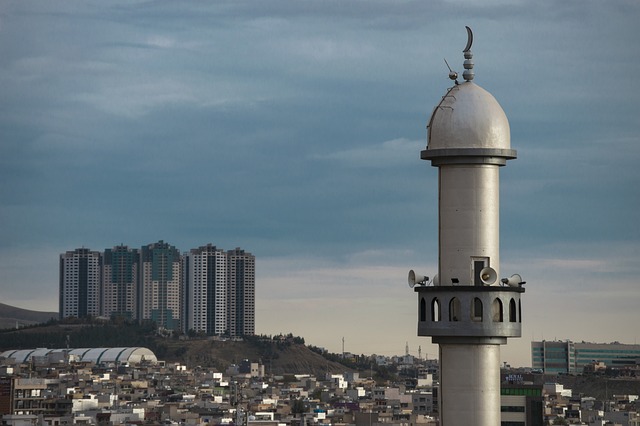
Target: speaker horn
point(436, 279)
point(414, 279)
point(488, 275)
point(514, 280)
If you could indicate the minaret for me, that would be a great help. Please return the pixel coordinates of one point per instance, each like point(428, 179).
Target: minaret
point(466, 309)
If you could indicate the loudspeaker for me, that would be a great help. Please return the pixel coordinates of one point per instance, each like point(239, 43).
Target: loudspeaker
point(416, 279)
point(514, 280)
point(488, 275)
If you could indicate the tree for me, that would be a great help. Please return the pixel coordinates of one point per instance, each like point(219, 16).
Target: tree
point(298, 406)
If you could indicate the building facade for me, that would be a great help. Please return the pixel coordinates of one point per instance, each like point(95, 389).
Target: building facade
point(160, 285)
point(573, 357)
point(121, 268)
point(80, 278)
point(521, 405)
point(241, 282)
point(205, 290)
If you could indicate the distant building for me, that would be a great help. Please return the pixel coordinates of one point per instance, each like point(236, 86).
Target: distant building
point(572, 357)
point(22, 397)
point(521, 404)
point(251, 369)
point(241, 281)
point(553, 357)
point(160, 285)
point(80, 277)
point(422, 402)
point(205, 290)
point(44, 356)
point(120, 282)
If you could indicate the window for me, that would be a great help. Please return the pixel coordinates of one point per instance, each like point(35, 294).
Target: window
point(512, 409)
point(477, 264)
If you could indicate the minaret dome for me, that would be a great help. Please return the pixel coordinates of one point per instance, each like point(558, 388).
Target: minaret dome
point(468, 117)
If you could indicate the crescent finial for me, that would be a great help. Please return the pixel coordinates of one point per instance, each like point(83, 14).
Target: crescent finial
point(468, 63)
point(469, 39)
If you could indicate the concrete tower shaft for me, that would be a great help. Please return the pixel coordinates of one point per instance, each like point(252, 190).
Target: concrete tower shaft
point(471, 391)
point(469, 214)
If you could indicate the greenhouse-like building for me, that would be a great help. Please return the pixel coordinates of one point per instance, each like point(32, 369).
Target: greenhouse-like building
point(130, 355)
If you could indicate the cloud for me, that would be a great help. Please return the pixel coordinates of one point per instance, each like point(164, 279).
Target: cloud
point(294, 130)
point(135, 97)
point(388, 154)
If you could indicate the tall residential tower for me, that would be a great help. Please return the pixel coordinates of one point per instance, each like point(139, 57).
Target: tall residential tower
point(79, 291)
point(241, 283)
point(205, 290)
point(160, 291)
point(120, 282)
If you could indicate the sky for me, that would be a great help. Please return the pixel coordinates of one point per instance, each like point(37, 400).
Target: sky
point(293, 129)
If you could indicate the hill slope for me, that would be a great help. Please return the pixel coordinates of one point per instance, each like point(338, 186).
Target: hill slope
point(10, 315)
point(279, 357)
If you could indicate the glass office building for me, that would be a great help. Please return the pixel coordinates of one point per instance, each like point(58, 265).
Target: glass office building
point(572, 357)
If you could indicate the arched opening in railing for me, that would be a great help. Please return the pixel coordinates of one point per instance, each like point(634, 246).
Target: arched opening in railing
point(454, 309)
point(496, 310)
point(519, 311)
point(435, 310)
point(476, 310)
point(512, 310)
point(423, 309)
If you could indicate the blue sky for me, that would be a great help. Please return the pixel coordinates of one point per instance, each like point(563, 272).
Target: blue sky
point(294, 130)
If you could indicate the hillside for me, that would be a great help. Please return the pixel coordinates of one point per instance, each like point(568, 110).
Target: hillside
point(10, 315)
point(279, 356)
point(599, 387)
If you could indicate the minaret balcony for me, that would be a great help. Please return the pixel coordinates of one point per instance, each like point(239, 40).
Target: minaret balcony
point(469, 311)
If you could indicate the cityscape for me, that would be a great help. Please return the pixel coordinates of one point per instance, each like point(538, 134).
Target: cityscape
point(130, 386)
point(343, 159)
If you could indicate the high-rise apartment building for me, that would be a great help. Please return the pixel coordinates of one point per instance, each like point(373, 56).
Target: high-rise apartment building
point(205, 290)
point(80, 277)
point(120, 282)
point(241, 282)
point(160, 285)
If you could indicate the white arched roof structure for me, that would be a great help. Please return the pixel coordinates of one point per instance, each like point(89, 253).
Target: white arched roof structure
point(23, 355)
point(131, 355)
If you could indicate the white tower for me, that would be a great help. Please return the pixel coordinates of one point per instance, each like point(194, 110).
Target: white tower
point(80, 282)
point(468, 311)
point(205, 287)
